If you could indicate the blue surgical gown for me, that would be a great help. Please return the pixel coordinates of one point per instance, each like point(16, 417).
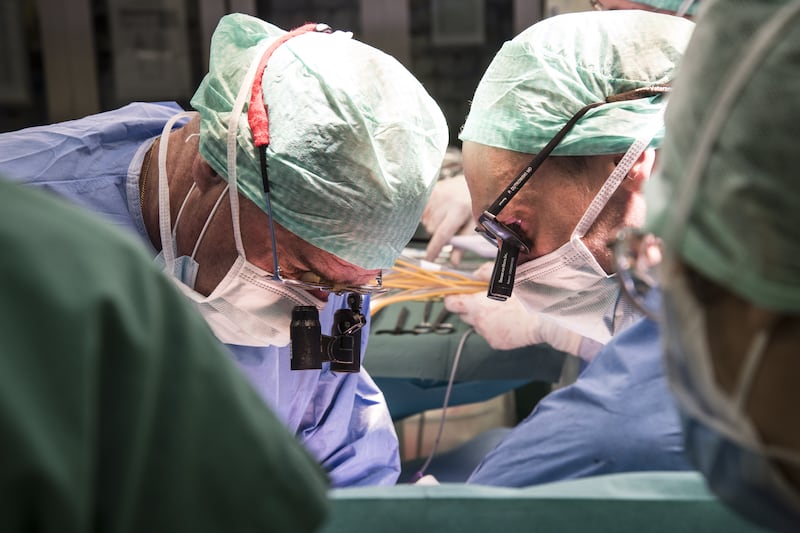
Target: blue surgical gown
point(618, 416)
point(341, 418)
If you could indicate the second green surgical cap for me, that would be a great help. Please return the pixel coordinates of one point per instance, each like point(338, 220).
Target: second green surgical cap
point(356, 141)
point(726, 194)
point(542, 77)
point(671, 5)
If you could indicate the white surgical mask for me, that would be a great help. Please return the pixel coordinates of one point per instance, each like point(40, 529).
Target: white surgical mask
point(248, 307)
point(569, 285)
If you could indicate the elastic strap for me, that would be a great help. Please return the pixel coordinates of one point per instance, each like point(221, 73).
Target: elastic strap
point(257, 112)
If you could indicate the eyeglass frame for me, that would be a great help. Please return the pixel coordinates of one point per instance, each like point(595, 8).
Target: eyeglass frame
point(512, 243)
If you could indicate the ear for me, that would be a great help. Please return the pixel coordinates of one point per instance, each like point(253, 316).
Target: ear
point(204, 176)
point(640, 171)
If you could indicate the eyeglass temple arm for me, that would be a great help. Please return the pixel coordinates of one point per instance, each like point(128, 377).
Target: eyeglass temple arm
point(514, 187)
point(524, 176)
point(276, 269)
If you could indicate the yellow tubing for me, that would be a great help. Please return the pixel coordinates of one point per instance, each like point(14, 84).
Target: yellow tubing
point(410, 282)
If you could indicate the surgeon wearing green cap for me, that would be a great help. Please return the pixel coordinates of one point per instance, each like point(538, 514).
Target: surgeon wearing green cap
point(301, 173)
point(560, 137)
point(449, 212)
point(725, 207)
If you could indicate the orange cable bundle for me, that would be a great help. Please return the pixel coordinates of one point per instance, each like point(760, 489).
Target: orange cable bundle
point(408, 280)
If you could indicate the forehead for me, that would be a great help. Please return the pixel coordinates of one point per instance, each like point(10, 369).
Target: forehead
point(488, 163)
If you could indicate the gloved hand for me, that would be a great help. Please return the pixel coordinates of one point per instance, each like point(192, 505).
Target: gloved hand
point(447, 213)
point(507, 325)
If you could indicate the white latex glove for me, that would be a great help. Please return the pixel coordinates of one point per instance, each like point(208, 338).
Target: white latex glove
point(484, 272)
point(508, 325)
point(427, 479)
point(447, 213)
point(528, 327)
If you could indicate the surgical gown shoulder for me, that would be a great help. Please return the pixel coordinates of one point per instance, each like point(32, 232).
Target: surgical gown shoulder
point(119, 410)
point(619, 416)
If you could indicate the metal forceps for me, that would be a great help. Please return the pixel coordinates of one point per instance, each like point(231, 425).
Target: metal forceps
point(439, 326)
point(399, 328)
point(425, 326)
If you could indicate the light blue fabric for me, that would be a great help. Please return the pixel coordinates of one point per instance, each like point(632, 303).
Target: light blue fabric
point(342, 419)
point(618, 416)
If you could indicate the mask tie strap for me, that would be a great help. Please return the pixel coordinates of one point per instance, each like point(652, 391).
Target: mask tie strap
point(164, 222)
point(180, 211)
point(232, 145)
point(620, 172)
point(208, 220)
point(752, 362)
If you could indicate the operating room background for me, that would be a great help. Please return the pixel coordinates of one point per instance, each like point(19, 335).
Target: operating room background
point(67, 59)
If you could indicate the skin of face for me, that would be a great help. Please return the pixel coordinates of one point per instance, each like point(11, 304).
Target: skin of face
point(217, 251)
point(552, 202)
point(731, 324)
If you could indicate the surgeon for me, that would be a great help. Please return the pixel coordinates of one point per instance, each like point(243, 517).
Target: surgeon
point(119, 410)
point(725, 205)
point(302, 173)
point(560, 137)
point(448, 211)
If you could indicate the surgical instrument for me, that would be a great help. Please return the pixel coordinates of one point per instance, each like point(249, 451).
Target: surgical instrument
point(402, 316)
point(425, 326)
point(439, 325)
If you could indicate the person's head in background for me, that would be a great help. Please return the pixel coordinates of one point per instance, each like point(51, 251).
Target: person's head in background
point(590, 184)
point(726, 203)
point(681, 8)
point(355, 146)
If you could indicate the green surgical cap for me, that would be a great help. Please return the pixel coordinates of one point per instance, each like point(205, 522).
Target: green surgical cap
point(356, 141)
point(670, 5)
point(542, 77)
point(726, 193)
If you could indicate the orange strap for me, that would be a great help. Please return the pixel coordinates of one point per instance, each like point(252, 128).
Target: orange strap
point(257, 113)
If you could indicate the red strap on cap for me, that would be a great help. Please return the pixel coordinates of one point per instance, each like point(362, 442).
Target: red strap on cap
point(257, 115)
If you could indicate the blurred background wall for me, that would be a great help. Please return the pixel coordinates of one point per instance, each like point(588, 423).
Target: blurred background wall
point(64, 59)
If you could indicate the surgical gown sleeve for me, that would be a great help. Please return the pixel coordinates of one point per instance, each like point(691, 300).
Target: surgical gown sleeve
point(94, 162)
point(341, 418)
point(618, 416)
point(119, 411)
